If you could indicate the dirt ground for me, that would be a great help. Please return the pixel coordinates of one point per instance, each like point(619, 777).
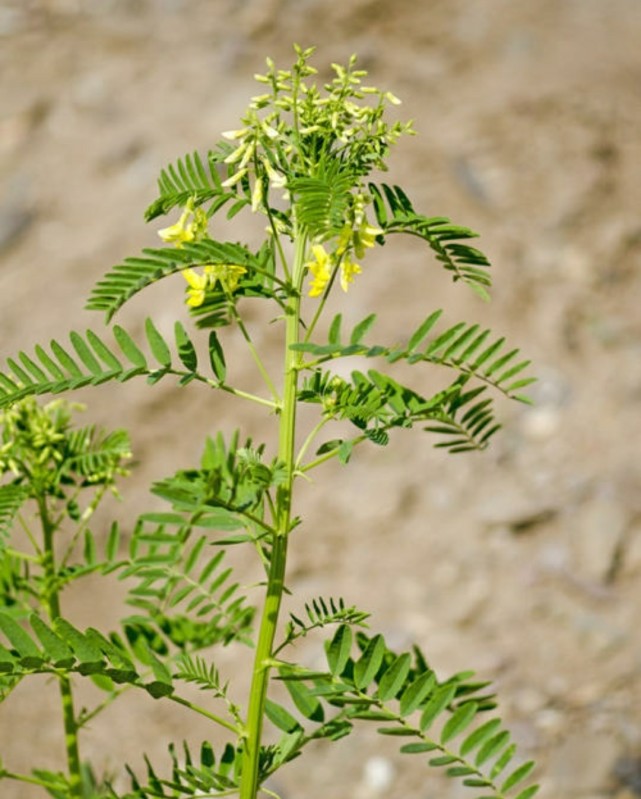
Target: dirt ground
point(522, 563)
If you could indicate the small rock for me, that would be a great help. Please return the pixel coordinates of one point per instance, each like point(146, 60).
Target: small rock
point(550, 721)
point(529, 700)
point(14, 222)
point(539, 424)
point(626, 774)
point(378, 776)
point(630, 552)
point(599, 532)
point(518, 515)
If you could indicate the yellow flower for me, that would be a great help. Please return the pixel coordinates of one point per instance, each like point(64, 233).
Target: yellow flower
point(229, 275)
point(197, 287)
point(348, 270)
point(344, 240)
point(179, 233)
point(321, 270)
point(184, 230)
point(365, 237)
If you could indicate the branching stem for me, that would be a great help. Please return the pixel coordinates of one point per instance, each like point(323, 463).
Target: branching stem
point(201, 711)
point(254, 353)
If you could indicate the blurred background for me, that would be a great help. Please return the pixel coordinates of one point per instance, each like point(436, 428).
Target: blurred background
point(522, 563)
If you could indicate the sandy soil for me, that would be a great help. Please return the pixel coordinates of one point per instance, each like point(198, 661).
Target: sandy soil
point(522, 563)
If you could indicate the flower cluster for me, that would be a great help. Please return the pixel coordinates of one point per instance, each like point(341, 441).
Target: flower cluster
point(192, 226)
point(37, 444)
point(324, 265)
point(316, 145)
point(291, 128)
point(228, 275)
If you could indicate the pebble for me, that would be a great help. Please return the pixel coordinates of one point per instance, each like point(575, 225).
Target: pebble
point(599, 527)
point(378, 777)
point(14, 222)
point(518, 514)
point(631, 550)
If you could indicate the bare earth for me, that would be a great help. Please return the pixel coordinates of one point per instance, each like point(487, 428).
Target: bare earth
point(522, 563)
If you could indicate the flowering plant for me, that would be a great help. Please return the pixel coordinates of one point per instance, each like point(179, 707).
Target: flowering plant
point(303, 160)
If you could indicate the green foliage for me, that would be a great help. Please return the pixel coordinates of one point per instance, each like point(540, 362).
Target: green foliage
point(323, 199)
point(302, 163)
point(187, 596)
point(134, 274)
point(402, 694)
point(462, 347)
point(92, 362)
point(189, 178)
point(395, 214)
point(12, 498)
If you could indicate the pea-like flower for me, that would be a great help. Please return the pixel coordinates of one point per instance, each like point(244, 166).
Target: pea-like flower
point(228, 275)
point(197, 287)
point(348, 269)
point(364, 237)
point(192, 226)
point(321, 269)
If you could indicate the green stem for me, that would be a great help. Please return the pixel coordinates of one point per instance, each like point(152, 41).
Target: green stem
point(309, 440)
point(66, 693)
point(249, 784)
point(11, 775)
point(201, 711)
point(254, 352)
point(326, 456)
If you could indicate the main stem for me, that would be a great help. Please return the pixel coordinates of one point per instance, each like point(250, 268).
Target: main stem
point(249, 783)
point(66, 693)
